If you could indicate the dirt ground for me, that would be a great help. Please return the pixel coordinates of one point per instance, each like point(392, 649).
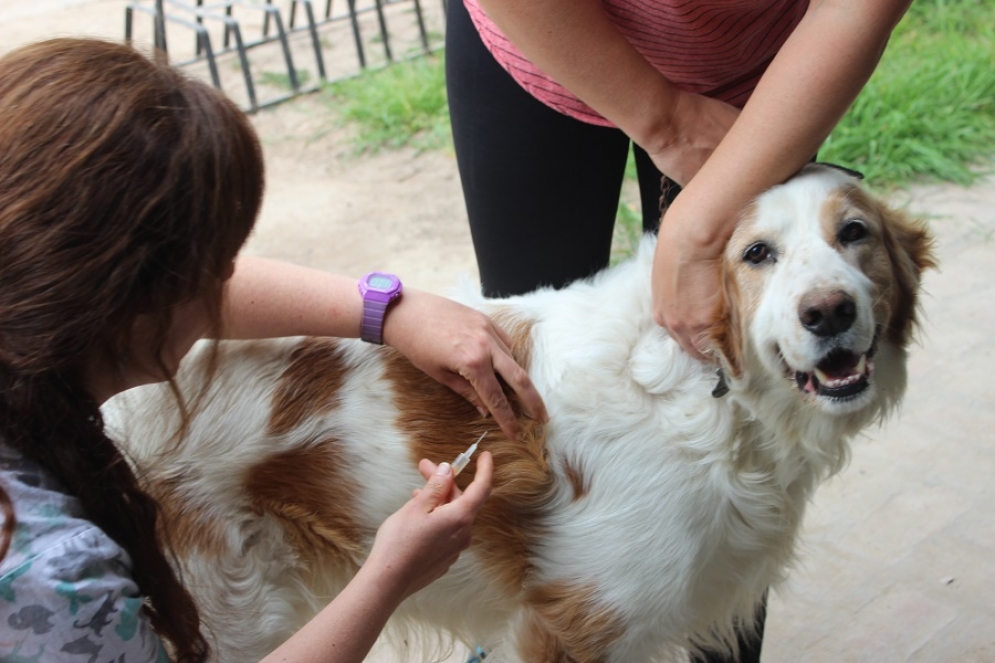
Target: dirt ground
point(327, 207)
point(897, 556)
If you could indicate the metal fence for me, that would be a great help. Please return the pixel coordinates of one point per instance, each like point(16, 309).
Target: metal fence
point(263, 53)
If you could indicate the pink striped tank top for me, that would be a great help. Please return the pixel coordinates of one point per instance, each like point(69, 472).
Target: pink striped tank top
point(718, 48)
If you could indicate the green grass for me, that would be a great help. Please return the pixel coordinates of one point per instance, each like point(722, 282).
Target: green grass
point(928, 112)
point(403, 104)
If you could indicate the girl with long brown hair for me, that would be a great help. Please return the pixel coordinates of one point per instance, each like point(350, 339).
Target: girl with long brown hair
point(126, 193)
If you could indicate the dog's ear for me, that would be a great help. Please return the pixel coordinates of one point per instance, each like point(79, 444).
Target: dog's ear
point(726, 335)
point(910, 250)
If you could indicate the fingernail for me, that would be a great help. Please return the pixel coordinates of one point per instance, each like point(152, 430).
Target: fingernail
point(444, 470)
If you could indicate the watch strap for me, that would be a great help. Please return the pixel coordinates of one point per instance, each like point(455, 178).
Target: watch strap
point(371, 329)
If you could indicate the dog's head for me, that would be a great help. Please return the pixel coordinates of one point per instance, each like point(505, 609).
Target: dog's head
point(821, 285)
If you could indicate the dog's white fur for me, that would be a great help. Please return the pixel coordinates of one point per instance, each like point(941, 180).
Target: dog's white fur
point(646, 518)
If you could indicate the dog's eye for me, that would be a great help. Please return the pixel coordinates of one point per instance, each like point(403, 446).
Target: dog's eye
point(757, 253)
point(853, 230)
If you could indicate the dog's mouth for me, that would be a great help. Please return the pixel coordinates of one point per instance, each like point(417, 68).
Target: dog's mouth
point(841, 375)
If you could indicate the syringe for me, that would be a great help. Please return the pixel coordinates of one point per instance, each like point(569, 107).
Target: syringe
point(464, 458)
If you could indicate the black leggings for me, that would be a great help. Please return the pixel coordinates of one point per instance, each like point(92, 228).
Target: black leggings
point(541, 188)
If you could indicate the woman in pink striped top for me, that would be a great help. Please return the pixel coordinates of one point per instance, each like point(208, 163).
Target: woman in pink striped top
point(724, 98)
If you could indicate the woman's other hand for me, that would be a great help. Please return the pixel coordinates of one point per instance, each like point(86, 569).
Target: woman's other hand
point(465, 350)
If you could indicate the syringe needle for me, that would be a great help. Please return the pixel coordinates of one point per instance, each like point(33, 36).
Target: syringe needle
point(464, 458)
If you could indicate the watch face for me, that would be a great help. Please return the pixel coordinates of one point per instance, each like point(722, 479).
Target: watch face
point(380, 282)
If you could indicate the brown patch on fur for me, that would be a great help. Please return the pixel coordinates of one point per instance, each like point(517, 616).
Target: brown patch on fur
point(569, 625)
point(840, 204)
point(910, 250)
point(308, 385)
point(306, 489)
point(726, 336)
point(186, 526)
point(440, 424)
point(894, 263)
point(576, 478)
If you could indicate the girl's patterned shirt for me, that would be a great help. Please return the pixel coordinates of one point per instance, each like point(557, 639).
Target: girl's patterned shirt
point(66, 592)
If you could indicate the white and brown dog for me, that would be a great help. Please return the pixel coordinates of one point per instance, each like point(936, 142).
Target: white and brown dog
point(648, 517)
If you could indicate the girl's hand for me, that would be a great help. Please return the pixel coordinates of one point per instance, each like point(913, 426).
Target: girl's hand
point(464, 350)
point(414, 547)
point(417, 544)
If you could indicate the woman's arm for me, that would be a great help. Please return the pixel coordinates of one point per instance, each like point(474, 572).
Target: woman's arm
point(575, 43)
point(806, 90)
point(724, 160)
point(458, 346)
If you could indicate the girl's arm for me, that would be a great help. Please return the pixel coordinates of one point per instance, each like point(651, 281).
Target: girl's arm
point(459, 346)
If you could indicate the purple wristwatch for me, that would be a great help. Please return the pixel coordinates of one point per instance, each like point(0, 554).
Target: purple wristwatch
point(378, 290)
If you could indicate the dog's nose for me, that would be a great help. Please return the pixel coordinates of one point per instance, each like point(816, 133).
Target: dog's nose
point(827, 314)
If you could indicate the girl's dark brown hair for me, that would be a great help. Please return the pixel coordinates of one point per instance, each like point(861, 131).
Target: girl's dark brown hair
point(125, 189)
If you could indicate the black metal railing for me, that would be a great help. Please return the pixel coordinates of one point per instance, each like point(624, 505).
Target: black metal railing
point(263, 52)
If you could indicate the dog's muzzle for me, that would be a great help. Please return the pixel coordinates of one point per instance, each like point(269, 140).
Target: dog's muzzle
point(841, 375)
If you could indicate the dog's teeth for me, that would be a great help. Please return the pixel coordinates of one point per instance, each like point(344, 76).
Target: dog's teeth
point(862, 365)
point(820, 376)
